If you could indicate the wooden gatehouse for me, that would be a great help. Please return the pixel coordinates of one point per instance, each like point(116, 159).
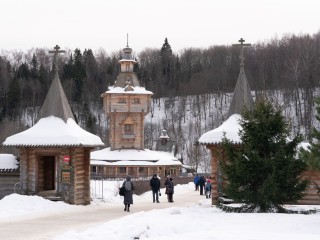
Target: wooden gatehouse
point(55, 152)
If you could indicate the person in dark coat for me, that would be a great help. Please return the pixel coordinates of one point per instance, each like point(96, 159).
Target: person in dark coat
point(202, 182)
point(170, 190)
point(166, 184)
point(155, 186)
point(128, 184)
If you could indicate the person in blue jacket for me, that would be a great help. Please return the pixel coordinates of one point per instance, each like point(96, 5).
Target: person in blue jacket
point(196, 182)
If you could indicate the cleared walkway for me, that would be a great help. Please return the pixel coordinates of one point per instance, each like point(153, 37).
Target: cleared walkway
point(47, 227)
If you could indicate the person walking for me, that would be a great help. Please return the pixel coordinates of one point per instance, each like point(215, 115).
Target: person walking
point(202, 181)
point(128, 200)
point(196, 182)
point(166, 184)
point(170, 190)
point(155, 186)
point(208, 188)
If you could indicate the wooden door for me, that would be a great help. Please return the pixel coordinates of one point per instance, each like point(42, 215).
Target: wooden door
point(46, 173)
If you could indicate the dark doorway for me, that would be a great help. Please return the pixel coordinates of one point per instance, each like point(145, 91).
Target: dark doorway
point(46, 173)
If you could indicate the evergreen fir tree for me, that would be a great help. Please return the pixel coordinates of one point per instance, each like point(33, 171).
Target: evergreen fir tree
point(263, 172)
point(34, 67)
point(167, 63)
point(78, 74)
point(14, 100)
point(166, 50)
point(312, 155)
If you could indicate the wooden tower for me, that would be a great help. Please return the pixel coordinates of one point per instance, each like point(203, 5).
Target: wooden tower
point(126, 104)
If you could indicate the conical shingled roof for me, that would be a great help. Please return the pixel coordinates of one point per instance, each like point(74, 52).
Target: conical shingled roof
point(56, 103)
point(56, 126)
point(242, 95)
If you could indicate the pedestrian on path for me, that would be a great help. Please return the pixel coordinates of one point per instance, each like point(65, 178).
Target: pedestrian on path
point(128, 200)
point(170, 190)
point(208, 187)
point(166, 184)
point(196, 182)
point(155, 186)
point(202, 181)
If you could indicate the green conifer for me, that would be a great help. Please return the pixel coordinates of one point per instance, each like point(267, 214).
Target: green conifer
point(263, 172)
point(312, 155)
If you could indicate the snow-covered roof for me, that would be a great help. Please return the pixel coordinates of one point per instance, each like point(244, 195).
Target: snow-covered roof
point(304, 145)
point(122, 157)
point(8, 161)
point(136, 90)
point(127, 60)
point(54, 132)
point(230, 127)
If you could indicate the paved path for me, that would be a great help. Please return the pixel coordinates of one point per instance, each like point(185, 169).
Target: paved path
point(47, 227)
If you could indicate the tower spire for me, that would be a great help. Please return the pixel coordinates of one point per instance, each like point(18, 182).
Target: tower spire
point(55, 52)
point(242, 92)
point(127, 40)
point(56, 103)
point(242, 45)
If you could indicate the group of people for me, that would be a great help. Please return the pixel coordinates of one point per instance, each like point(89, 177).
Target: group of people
point(204, 184)
point(155, 187)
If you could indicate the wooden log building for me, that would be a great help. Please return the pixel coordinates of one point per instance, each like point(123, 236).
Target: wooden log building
point(212, 140)
point(55, 153)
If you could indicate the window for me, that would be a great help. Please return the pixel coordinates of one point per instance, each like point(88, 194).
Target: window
point(122, 169)
point(128, 129)
point(164, 141)
point(122, 100)
point(141, 169)
point(136, 100)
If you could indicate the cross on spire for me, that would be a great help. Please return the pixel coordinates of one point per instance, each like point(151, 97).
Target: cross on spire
point(242, 45)
point(55, 52)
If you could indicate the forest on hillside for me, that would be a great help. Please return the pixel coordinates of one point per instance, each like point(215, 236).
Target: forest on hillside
point(198, 81)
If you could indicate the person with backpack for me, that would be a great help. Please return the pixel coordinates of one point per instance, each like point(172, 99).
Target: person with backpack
point(155, 187)
point(127, 200)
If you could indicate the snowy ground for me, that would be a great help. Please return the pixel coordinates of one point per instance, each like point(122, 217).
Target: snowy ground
point(198, 221)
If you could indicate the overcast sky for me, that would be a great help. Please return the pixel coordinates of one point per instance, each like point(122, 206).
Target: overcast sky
point(95, 24)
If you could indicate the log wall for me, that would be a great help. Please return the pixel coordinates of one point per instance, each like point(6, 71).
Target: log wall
point(312, 194)
point(311, 197)
point(32, 175)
